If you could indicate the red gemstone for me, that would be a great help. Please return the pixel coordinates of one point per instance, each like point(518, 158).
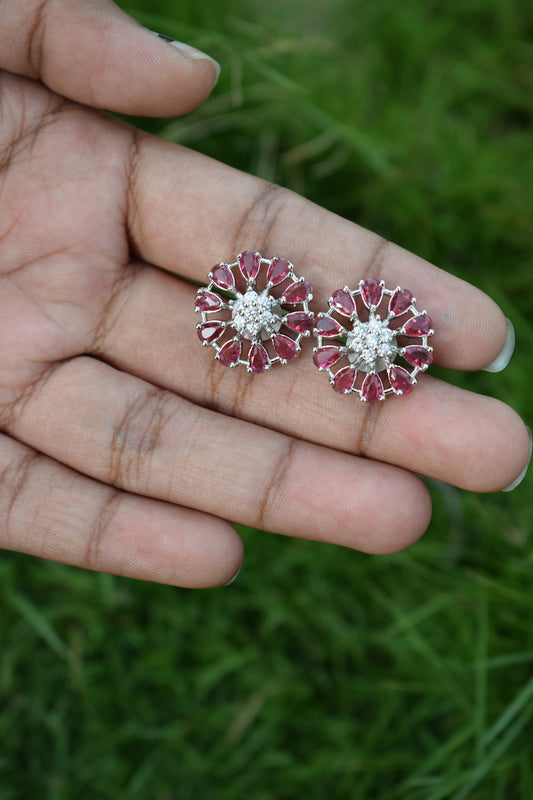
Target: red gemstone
point(285, 347)
point(400, 380)
point(229, 354)
point(297, 293)
point(300, 322)
point(210, 331)
point(418, 356)
point(223, 277)
point(258, 360)
point(418, 326)
point(278, 271)
point(371, 292)
point(326, 326)
point(343, 302)
point(249, 264)
point(344, 380)
point(372, 390)
point(325, 357)
point(207, 301)
point(400, 301)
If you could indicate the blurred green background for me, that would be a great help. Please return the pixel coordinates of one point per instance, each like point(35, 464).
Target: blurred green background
point(321, 673)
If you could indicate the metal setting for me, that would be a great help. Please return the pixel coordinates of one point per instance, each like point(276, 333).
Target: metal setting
point(254, 311)
point(373, 341)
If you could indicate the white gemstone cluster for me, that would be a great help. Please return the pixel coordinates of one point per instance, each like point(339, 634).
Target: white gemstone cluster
point(371, 345)
point(254, 313)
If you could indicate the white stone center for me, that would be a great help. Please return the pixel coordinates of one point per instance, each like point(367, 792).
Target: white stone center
point(253, 312)
point(372, 345)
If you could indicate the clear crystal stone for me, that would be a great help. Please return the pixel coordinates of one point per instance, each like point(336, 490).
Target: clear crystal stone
point(255, 314)
point(371, 345)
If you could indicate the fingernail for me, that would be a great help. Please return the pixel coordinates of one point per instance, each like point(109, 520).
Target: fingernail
point(503, 359)
point(188, 51)
point(522, 475)
point(234, 577)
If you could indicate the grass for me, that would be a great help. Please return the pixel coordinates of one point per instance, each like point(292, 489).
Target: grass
point(320, 673)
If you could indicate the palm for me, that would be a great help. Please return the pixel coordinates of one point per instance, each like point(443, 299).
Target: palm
point(107, 402)
point(64, 244)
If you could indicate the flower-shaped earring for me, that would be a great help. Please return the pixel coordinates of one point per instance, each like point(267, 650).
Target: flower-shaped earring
point(261, 309)
point(363, 333)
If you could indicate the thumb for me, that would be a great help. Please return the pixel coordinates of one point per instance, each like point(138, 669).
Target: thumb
point(93, 52)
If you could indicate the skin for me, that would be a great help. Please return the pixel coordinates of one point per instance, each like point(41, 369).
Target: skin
point(124, 445)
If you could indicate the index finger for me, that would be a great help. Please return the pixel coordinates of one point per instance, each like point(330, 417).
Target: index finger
point(189, 212)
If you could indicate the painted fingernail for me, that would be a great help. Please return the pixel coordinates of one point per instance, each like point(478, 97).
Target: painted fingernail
point(522, 475)
point(188, 51)
point(503, 359)
point(234, 577)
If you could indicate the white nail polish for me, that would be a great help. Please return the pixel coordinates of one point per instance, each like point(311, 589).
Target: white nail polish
point(232, 580)
point(522, 475)
point(503, 359)
point(188, 51)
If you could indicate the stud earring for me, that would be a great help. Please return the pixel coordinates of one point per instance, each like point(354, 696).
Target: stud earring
point(363, 334)
point(254, 311)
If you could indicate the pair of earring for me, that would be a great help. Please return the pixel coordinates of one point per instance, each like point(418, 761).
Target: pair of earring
point(255, 312)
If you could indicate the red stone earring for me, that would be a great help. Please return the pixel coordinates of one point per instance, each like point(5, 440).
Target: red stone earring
point(254, 312)
point(363, 334)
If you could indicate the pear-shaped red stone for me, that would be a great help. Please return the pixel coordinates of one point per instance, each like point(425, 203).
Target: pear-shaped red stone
point(223, 277)
point(400, 301)
point(418, 356)
point(325, 357)
point(400, 380)
point(344, 380)
point(326, 326)
point(285, 347)
point(297, 292)
point(343, 302)
point(249, 264)
point(229, 354)
point(210, 331)
point(278, 271)
point(207, 301)
point(418, 326)
point(372, 390)
point(299, 321)
point(258, 360)
point(371, 292)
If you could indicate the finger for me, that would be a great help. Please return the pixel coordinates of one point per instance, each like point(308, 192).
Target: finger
point(50, 511)
point(93, 52)
point(178, 196)
point(441, 431)
point(129, 434)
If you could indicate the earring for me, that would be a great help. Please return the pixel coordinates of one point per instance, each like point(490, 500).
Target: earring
point(261, 309)
point(364, 332)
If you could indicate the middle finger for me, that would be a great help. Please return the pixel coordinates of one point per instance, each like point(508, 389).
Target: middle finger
point(439, 430)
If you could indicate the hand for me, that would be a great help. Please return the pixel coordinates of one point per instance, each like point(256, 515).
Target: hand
point(125, 446)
